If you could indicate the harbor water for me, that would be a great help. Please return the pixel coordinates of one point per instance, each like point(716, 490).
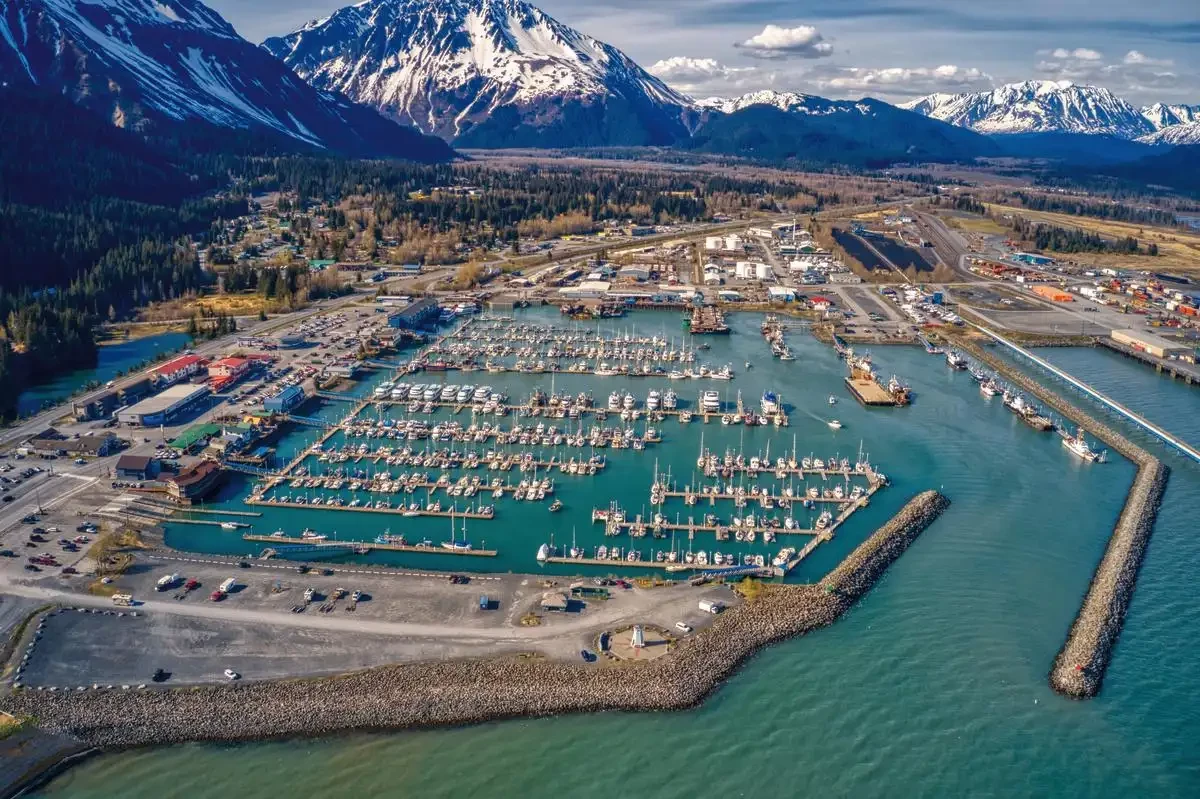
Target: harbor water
point(934, 685)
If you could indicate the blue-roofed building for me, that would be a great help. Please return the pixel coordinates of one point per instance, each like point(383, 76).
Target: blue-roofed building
point(285, 401)
point(417, 313)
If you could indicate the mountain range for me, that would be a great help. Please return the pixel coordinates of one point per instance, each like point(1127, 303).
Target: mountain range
point(411, 78)
point(1060, 107)
point(485, 73)
point(175, 68)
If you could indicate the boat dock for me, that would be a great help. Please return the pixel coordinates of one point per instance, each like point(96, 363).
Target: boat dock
point(633, 564)
point(1140, 421)
point(427, 549)
point(869, 392)
point(747, 498)
point(453, 514)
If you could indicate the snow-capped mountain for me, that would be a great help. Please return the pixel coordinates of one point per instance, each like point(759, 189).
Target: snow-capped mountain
point(791, 102)
point(484, 73)
point(1037, 107)
point(158, 64)
point(1164, 116)
point(1175, 135)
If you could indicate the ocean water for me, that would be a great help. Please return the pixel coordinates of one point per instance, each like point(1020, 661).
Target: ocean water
point(110, 359)
point(934, 685)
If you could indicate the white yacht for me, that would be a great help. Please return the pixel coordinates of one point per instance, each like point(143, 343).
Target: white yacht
point(710, 402)
point(614, 401)
point(835, 424)
point(653, 401)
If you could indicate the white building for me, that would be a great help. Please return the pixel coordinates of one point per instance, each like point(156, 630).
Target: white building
point(714, 243)
point(734, 242)
point(764, 272)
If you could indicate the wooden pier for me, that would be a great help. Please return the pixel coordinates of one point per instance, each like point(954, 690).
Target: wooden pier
point(777, 500)
point(453, 514)
point(368, 546)
point(609, 563)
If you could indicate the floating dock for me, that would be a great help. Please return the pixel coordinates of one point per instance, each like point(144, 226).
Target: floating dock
point(455, 514)
point(368, 546)
point(869, 392)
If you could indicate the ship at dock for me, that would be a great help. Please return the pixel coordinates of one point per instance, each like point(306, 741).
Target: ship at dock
point(865, 386)
point(1027, 412)
point(705, 320)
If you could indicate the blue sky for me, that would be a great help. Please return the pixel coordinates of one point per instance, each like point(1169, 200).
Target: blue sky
point(1148, 51)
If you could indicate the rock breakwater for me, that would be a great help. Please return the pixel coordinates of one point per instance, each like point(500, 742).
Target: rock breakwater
point(469, 691)
point(1079, 668)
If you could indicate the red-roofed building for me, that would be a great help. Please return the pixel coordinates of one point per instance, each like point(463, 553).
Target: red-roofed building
point(231, 368)
point(821, 303)
point(178, 369)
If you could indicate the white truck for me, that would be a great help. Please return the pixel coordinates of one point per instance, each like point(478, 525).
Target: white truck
point(711, 606)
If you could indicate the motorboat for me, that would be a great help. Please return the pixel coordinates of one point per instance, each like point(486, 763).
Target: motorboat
point(835, 424)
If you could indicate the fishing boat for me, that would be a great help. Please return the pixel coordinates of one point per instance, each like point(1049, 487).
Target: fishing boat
point(955, 361)
point(1078, 445)
point(770, 402)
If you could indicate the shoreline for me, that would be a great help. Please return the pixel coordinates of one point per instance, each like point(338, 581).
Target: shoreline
point(1081, 664)
point(472, 691)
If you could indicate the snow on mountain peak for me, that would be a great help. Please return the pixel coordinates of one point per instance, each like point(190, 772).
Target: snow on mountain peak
point(1037, 106)
point(162, 62)
point(445, 65)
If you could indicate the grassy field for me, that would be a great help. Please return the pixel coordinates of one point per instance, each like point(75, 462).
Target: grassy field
point(1178, 249)
point(244, 304)
point(975, 224)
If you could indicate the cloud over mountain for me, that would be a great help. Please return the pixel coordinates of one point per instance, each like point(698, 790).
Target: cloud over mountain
point(802, 41)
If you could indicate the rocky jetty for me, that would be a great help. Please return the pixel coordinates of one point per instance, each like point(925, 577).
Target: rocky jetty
point(1079, 668)
point(468, 691)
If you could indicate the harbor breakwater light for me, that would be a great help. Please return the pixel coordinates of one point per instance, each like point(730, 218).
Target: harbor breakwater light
point(1079, 668)
point(476, 690)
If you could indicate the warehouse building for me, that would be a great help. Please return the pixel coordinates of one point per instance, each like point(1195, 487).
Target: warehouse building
point(285, 401)
point(417, 313)
point(164, 407)
point(1150, 343)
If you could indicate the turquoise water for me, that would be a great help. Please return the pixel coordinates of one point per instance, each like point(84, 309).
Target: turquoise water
point(934, 685)
point(110, 359)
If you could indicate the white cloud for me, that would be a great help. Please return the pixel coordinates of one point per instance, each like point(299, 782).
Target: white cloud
point(704, 75)
point(803, 41)
point(1135, 73)
point(902, 81)
point(1136, 57)
point(1079, 53)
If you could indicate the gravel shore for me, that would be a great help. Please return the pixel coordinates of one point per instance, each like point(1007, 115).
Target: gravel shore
point(469, 691)
point(1079, 668)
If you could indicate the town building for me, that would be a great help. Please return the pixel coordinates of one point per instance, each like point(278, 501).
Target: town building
point(1151, 344)
point(176, 370)
point(285, 401)
point(98, 407)
point(137, 390)
point(164, 407)
point(418, 313)
point(229, 368)
point(96, 445)
point(194, 483)
point(135, 467)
